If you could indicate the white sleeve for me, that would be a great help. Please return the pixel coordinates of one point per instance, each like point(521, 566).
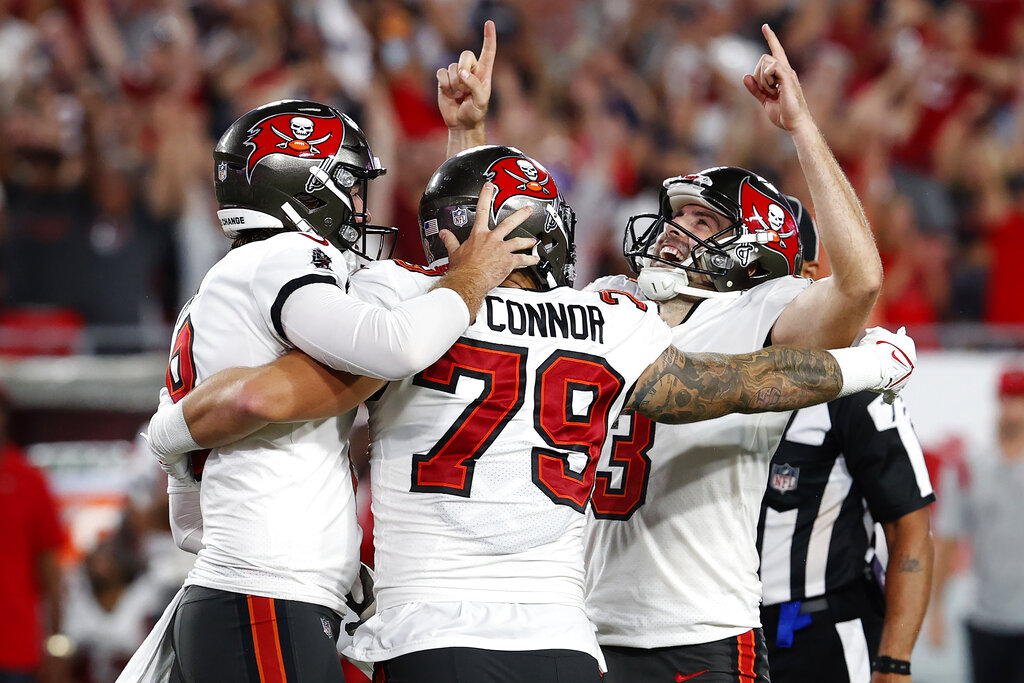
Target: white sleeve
point(347, 334)
point(186, 515)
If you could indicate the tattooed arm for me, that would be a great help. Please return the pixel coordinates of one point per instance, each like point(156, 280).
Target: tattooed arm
point(680, 387)
point(908, 579)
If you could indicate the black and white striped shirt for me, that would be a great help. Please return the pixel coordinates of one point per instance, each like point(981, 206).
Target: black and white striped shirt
point(841, 467)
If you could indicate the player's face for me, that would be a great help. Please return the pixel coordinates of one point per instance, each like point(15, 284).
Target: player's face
point(674, 245)
point(357, 203)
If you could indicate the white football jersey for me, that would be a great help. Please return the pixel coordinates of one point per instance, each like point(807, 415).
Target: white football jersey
point(482, 466)
point(672, 528)
point(278, 506)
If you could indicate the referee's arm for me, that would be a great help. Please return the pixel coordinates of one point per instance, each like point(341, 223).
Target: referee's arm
point(908, 579)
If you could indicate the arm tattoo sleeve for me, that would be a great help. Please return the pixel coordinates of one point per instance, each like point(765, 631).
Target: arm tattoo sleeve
point(681, 387)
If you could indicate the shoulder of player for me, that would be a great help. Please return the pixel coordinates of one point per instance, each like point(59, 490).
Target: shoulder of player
point(619, 282)
point(782, 287)
point(395, 270)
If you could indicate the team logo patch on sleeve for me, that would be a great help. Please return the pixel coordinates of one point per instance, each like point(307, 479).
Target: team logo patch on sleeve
point(784, 477)
point(320, 259)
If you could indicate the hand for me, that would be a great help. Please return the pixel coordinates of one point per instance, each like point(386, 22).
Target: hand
point(177, 464)
point(361, 598)
point(464, 89)
point(898, 356)
point(776, 87)
point(487, 253)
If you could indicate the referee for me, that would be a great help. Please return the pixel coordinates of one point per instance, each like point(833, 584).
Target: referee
point(831, 610)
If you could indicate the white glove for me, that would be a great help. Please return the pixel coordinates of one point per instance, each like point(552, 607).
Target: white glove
point(898, 355)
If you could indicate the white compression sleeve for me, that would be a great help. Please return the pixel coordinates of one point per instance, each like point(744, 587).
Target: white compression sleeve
point(861, 368)
point(347, 334)
point(186, 515)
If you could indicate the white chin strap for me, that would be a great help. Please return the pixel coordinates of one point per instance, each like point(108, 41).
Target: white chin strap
point(661, 284)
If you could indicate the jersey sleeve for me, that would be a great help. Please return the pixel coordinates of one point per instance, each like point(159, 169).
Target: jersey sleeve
point(776, 295)
point(288, 263)
point(387, 338)
point(388, 283)
point(617, 282)
point(883, 454)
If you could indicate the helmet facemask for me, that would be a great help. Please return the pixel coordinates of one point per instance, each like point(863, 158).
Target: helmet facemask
point(759, 243)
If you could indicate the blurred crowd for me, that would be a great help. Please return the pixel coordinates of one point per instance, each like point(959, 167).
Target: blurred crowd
point(109, 110)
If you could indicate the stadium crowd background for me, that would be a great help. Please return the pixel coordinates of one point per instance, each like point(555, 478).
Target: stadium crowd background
point(109, 110)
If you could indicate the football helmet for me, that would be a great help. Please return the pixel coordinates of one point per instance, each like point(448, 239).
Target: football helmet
point(449, 203)
point(298, 164)
point(760, 243)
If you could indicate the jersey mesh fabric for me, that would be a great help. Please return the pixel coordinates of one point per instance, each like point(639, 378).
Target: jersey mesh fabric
point(278, 506)
point(682, 569)
point(501, 534)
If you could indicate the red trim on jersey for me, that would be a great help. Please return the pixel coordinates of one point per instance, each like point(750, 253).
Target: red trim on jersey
point(423, 270)
point(266, 639)
point(318, 240)
point(746, 655)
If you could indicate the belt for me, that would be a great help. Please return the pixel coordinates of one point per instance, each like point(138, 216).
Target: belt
point(812, 606)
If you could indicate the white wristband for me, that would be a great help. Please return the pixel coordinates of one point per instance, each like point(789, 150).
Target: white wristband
point(861, 368)
point(168, 433)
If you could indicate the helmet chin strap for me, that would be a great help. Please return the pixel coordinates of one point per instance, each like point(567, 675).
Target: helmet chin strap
point(661, 284)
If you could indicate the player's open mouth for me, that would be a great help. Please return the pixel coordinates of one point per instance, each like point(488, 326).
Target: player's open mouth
point(671, 254)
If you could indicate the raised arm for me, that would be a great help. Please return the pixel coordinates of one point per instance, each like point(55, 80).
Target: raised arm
point(833, 310)
point(464, 94)
point(680, 387)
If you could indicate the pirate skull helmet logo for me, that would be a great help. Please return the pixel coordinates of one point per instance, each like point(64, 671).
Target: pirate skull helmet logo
point(776, 217)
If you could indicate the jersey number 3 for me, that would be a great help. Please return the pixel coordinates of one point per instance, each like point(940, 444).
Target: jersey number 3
point(564, 470)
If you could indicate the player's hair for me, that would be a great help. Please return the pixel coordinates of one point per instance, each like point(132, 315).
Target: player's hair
point(258, 235)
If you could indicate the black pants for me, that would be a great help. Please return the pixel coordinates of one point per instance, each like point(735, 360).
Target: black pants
point(472, 665)
point(837, 645)
point(222, 637)
point(995, 657)
point(741, 659)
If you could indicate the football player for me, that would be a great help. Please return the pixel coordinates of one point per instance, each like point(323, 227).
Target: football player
point(482, 465)
point(279, 547)
point(672, 562)
point(672, 579)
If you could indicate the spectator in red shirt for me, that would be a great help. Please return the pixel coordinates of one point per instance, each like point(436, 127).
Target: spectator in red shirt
point(32, 534)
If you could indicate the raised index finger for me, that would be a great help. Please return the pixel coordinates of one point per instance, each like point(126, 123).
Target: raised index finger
point(487, 52)
point(773, 43)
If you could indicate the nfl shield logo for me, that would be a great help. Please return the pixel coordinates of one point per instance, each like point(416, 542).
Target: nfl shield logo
point(460, 216)
point(784, 478)
point(327, 627)
point(222, 171)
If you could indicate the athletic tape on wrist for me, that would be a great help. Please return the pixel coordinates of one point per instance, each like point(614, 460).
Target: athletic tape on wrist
point(169, 436)
point(861, 369)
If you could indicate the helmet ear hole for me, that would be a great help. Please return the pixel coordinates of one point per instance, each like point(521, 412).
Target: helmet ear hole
point(309, 201)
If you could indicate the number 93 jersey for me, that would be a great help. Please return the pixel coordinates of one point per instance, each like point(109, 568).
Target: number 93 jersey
point(482, 465)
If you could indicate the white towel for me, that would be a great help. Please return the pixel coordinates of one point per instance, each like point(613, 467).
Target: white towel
point(153, 661)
